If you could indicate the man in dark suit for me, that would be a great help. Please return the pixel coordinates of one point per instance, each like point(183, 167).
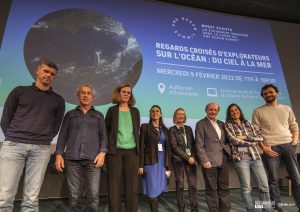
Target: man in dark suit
point(213, 152)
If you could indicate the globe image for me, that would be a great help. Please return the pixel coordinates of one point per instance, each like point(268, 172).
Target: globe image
point(89, 48)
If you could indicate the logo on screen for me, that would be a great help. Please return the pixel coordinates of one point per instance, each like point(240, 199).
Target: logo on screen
point(184, 28)
point(212, 92)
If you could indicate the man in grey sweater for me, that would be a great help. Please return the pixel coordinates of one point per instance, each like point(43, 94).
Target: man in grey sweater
point(280, 131)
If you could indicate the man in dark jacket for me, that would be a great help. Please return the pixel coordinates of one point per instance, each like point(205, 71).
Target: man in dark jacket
point(83, 142)
point(213, 152)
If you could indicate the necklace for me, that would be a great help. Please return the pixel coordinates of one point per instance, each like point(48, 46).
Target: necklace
point(123, 108)
point(156, 127)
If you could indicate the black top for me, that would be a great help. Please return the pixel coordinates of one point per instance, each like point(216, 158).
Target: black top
point(83, 135)
point(178, 144)
point(31, 115)
point(149, 138)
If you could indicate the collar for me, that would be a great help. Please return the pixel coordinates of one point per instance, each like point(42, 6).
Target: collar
point(37, 89)
point(215, 121)
point(179, 126)
point(153, 128)
point(78, 108)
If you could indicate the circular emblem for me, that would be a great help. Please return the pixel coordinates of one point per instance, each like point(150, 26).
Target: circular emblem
point(184, 28)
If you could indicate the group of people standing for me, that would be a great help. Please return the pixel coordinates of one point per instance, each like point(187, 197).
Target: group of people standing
point(87, 140)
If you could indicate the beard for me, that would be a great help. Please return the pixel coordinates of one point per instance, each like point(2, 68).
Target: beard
point(271, 100)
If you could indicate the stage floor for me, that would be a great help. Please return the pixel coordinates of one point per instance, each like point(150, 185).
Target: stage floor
point(167, 202)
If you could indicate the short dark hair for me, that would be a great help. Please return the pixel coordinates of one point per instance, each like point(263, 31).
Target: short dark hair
point(116, 95)
point(268, 86)
point(228, 116)
point(49, 64)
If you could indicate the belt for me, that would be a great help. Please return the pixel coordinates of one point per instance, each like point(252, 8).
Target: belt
point(244, 154)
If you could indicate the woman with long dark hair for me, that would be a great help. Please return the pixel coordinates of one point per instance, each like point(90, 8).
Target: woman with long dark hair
point(244, 139)
point(154, 157)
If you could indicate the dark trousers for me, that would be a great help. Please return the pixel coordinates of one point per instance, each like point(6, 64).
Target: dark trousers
point(122, 171)
point(83, 183)
point(180, 167)
point(216, 187)
point(287, 152)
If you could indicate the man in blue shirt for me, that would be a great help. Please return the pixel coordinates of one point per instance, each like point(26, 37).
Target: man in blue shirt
point(83, 142)
point(31, 118)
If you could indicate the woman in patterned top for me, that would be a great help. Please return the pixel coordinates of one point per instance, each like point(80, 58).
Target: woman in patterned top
point(244, 139)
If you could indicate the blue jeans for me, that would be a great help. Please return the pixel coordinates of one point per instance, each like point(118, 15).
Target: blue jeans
point(243, 169)
point(13, 158)
point(191, 173)
point(287, 152)
point(83, 183)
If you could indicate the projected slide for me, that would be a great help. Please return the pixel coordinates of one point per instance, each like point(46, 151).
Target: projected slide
point(173, 56)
